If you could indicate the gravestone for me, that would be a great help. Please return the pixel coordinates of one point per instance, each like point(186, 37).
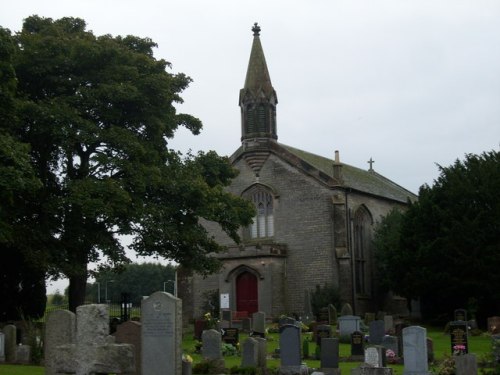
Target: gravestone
point(231, 336)
point(415, 351)
point(161, 334)
point(389, 323)
point(330, 355)
point(250, 355)
point(366, 370)
point(60, 329)
point(2, 347)
point(494, 324)
point(465, 364)
point(332, 314)
point(376, 332)
point(262, 352)
point(212, 345)
point(323, 331)
point(23, 354)
point(290, 346)
point(246, 324)
point(348, 324)
point(357, 344)
point(130, 333)
point(391, 343)
point(460, 314)
point(10, 333)
point(93, 350)
point(458, 335)
point(375, 356)
point(259, 324)
point(346, 310)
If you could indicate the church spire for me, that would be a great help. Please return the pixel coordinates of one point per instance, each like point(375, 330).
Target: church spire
point(257, 98)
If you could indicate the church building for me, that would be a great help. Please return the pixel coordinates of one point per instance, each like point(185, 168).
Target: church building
point(314, 221)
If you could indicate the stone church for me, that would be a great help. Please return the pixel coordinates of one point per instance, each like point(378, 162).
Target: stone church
point(314, 219)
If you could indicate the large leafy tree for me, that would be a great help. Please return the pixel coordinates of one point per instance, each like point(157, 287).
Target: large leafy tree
point(449, 246)
point(98, 113)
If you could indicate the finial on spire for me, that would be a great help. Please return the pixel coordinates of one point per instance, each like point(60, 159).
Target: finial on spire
point(256, 29)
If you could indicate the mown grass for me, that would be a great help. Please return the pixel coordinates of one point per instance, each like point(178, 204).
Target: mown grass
point(479, 345)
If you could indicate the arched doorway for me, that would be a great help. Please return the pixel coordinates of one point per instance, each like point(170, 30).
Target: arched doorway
point(247, 294)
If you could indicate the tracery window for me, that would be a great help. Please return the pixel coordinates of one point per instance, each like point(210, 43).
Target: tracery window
point(263, 222)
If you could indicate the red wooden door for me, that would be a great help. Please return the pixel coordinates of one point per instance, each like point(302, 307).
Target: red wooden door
point(247, 295)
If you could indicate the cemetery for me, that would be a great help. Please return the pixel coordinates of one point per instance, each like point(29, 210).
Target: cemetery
point(160, 343)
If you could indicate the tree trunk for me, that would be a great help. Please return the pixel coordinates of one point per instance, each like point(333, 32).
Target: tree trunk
point(76, 291)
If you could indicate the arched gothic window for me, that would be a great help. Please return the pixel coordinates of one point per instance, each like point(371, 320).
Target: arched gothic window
point(263, 222)
point(362, 224)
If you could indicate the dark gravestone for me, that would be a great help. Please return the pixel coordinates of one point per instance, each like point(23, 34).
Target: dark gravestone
point(323, 332)
point(377, 332)
point(460, 314)
point(330, 353)
point(130, 333)
point(230, 336)
point(290, 345)
point(458, 336)
point(357, 344)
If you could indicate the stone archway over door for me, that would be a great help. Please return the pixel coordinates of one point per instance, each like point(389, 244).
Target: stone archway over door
point(247, 293)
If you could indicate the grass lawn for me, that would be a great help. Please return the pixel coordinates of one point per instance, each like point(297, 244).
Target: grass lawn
point(479, 345)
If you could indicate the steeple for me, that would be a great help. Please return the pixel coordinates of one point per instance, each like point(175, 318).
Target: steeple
point(257, 98)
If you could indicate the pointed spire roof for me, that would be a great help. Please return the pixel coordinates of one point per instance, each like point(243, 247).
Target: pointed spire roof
point(258, 78)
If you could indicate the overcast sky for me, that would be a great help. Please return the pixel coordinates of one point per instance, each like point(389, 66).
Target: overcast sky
point(409, 83)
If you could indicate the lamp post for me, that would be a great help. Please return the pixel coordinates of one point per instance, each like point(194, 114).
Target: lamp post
point(106, 290)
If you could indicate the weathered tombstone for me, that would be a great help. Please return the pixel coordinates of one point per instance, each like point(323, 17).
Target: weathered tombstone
point(391, 343)
point(465, 364)
point(346, 310)
point(199, 326)
point(494, 324)
point(161, 334)
point(332, 314)
point(357, 344)
point(93, 351)
point(250, 355)
point(212, 345)
point(262, 355)
point(323, 331)
point(376, 332)
point(375, 356)
point(10, 333)
point(246, 324)
point(23, 354)
point(2, 347)
point(60, 329)
point(458, 336)
point(259, 324)
point(231, 336)
point(130, 333)
point(330, 356)
point(348, 324)
point(415, 351)
point(290, 346)
point(389, 323)
point(460, 314)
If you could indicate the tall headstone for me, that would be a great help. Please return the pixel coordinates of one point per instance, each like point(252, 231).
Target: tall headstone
point(250, 355)
point(332, 314)
point(389, 323)
point(10, 333)
point(259, 324)
point(330, 355)
point(262, 355)
point(212, 345)
point(346, 310)
point(60, 329)
point(290, 346)
point(415, 351)
point(377, 332)
point(465, 364)
point(2, 347)
point(458, 336)
point(348, 324)
point(161, 333)
point(357, 344)
point(130, 333)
